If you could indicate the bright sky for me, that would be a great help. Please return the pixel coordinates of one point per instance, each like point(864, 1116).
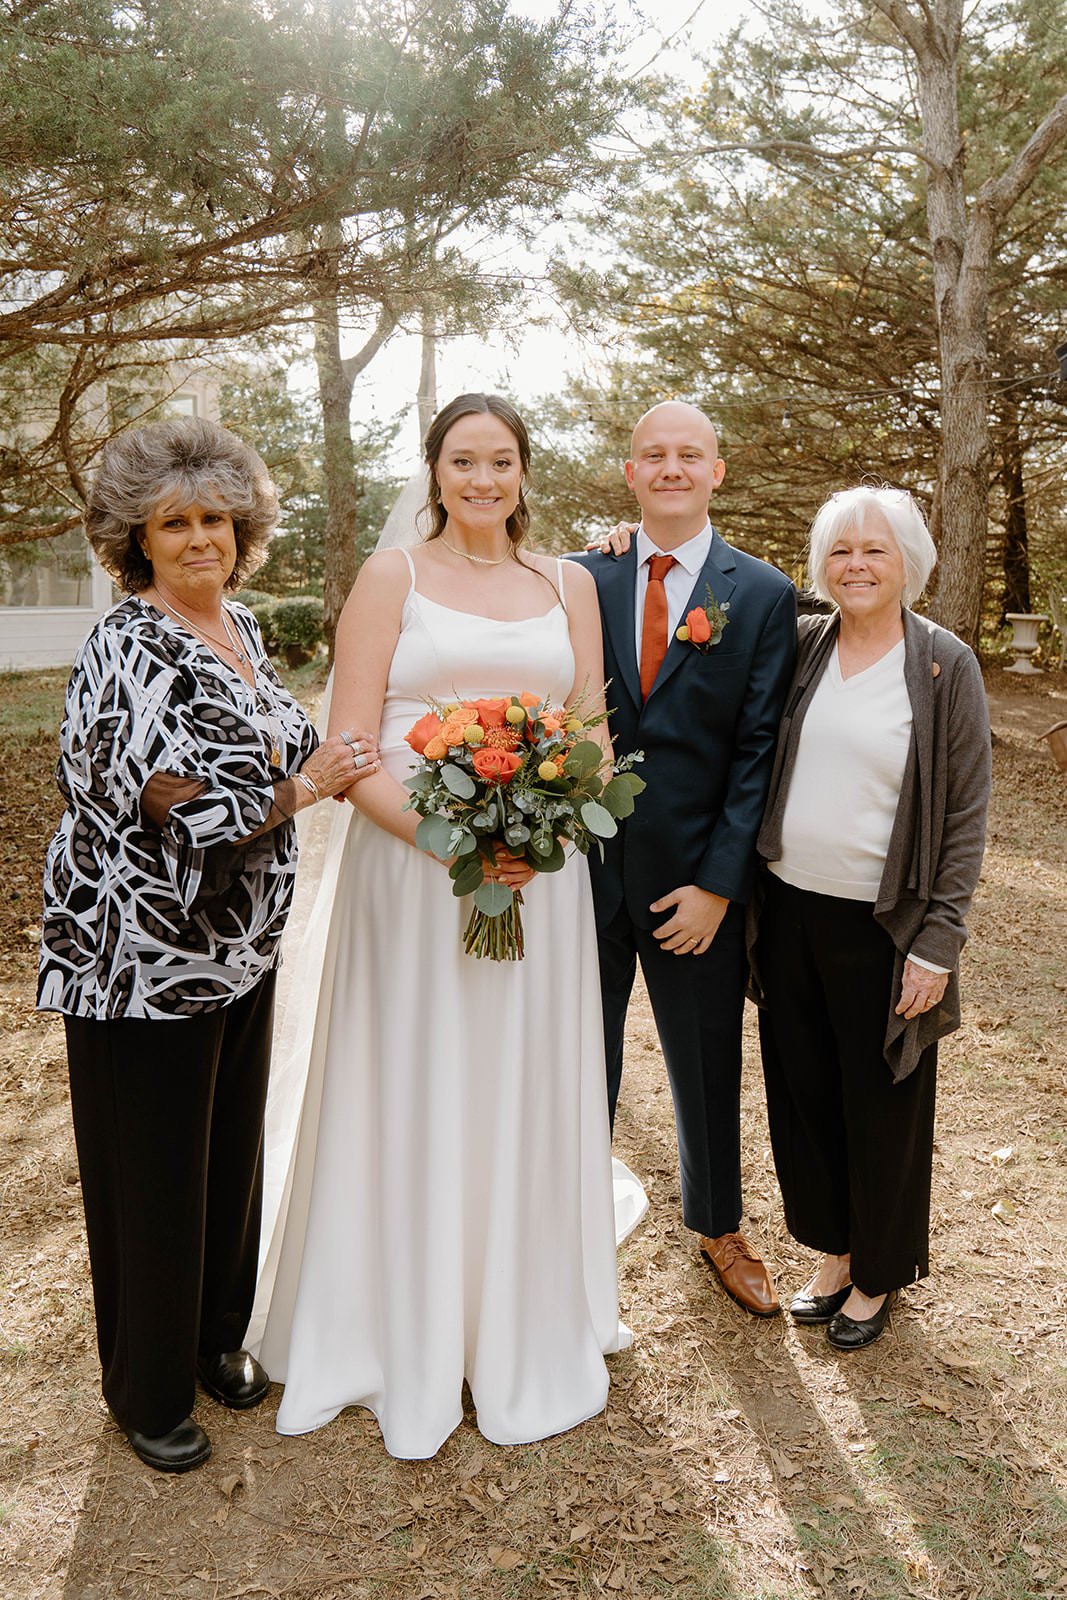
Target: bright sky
point(531, 363)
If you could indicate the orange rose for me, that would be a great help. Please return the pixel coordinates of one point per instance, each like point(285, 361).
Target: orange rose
point(423, 731)
point(490, 712)
point(454, 727)
point(550, 723)
point(496, 766)
point(529, 700)
point(699, 626)
point(436, 749)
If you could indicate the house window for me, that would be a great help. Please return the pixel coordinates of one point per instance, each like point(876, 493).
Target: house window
point(48, 572)
point(182, 404)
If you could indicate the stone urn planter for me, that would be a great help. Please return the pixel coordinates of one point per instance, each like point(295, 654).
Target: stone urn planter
point(1024, 626)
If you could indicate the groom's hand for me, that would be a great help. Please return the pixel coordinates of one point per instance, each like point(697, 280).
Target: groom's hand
point(697, 915)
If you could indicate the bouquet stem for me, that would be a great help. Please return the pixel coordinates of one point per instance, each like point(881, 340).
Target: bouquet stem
point(500, 938)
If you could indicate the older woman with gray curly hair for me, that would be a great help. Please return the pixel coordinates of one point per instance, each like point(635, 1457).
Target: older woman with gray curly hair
point(872, 838)
point(183, 761)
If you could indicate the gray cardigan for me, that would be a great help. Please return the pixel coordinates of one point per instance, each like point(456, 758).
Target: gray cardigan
point(935, 849)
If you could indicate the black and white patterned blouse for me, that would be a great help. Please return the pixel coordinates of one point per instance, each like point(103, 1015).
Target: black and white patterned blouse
point(148, 922)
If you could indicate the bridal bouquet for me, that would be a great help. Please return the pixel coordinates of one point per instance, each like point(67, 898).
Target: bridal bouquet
point(515, 771)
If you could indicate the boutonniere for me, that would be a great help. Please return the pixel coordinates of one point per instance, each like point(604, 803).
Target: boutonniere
point(704, 625)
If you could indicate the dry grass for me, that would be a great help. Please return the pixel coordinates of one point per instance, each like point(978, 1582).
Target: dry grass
point(736, 1458)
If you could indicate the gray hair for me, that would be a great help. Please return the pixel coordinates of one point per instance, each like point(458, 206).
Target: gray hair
point(183, 462)
point(849, 509)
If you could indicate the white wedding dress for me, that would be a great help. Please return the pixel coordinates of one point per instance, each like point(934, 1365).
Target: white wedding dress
point(448, 1209)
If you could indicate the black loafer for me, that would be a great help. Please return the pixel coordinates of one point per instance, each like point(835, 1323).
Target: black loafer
point(845, 1333)
point(183, 1448)
point(235, 1378)
point(817, 1308)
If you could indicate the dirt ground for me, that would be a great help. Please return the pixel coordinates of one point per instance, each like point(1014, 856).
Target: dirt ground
point(736, 1458)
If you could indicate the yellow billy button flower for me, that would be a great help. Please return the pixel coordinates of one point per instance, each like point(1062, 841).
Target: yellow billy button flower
point(516, 715)
point(574, 724)
point(682, 633)
point(475, 733)
point(547, 771)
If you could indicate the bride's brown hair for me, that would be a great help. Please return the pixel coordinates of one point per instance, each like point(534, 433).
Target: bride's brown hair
point(469, 405)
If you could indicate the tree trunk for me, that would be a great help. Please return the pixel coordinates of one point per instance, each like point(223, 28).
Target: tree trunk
point(339, 467)
point(1016, 548)
point(427, 377)
point(961, 258)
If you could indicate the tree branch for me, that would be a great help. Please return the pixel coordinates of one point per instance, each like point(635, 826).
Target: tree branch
point(1000, 194)
point(906, 23)
point(353, 365)
point(51, 530)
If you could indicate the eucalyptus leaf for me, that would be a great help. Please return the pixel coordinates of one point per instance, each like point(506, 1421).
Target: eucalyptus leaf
point(492, 898)
point(618, 798)
point(598, 820)
point(458, 782)
point(433, 834)
point(555, 858)
point(584, 758)
point(466, 874)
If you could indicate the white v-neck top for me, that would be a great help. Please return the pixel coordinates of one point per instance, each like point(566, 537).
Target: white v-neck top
point(846, 783)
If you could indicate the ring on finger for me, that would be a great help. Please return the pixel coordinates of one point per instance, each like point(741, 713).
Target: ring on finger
point(348, 739)
point(360, 761)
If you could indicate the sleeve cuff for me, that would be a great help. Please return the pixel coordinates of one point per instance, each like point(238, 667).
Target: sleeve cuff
point(929, 966)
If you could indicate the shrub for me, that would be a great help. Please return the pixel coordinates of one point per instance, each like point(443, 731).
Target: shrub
point(296, 627)
point(262, 607)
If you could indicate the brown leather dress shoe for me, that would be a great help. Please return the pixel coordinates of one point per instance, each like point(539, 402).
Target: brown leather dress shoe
point(741, 1273)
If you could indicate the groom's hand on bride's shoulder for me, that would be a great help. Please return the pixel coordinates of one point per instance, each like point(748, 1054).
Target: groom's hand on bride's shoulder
point(617, 542)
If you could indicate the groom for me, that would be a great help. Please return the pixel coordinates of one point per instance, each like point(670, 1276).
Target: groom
point(672, 887)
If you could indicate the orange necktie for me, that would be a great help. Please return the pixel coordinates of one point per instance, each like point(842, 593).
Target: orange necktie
point(654, 622)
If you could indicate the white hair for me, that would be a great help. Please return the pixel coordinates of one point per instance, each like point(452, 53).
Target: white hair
point(848, 509)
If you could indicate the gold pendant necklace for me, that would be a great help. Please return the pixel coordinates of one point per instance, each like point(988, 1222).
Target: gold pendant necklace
point(482, 561)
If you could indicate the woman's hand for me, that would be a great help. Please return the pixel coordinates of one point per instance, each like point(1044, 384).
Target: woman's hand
point(920, 990)
point(617, 542)
point(513, 871)
point(340, 761)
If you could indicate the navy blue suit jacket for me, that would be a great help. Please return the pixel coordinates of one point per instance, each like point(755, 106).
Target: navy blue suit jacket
point(708, 731)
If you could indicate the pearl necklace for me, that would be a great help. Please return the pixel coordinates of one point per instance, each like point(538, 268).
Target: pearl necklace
point(482, 561)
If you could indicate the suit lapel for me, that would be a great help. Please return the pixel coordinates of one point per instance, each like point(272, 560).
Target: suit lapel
point(717, 575)
point(616, 581)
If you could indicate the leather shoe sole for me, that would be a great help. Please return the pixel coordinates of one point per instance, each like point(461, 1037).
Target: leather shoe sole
point(234, 1378)
point(183, 1448)
point(813, 1309)
point(848, 1333)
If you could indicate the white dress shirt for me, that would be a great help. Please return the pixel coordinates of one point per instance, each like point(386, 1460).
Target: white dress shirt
point(677, 585)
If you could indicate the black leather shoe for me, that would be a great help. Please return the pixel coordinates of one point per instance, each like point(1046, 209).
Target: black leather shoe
point(235, 1378)
point(183, 1448)
point(816, 1308)
point(844, 1333)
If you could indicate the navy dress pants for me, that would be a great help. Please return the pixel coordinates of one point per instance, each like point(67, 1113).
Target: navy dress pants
point(168, 1120)
point(697, 1002)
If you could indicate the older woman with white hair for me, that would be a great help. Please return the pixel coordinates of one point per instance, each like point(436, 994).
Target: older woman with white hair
point(873, 839)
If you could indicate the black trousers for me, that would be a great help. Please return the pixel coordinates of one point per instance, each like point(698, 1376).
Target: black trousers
point(853, 1149)
point(168, 1120)
point(697, 1002)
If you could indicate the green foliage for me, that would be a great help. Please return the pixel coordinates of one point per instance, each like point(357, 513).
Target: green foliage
point(296, 627)
point(769, 262)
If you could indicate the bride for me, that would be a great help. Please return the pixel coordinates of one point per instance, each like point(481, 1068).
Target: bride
point(449, 1209)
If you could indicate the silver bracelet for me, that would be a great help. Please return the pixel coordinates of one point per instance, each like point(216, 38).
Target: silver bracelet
point(302, 777)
